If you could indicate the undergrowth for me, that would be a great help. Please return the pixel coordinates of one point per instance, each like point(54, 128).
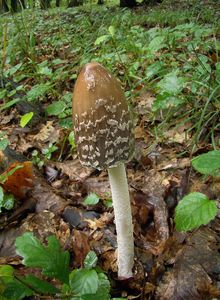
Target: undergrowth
point(173, 53)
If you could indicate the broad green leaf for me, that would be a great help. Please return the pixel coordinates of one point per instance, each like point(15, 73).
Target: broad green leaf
point(25, 119)
point(84, 281)
point(56, 108)
point(45, 71)
point(91, 199)
point(108, 203)
point(8, 201)
point(194, 210)
point(157, 43)
point(66, 123)
point(14, 69)
point(41, 286)
point(154, 69)
point(6, 273)
point(53, 261)
point(207, 163)
point(90, 260)
point(171, 84)
point(103, 289)
point(38, 90)
point(15, 290)
point(165, 100)
point(101, 39)
point(3, 143)
point(111, 30)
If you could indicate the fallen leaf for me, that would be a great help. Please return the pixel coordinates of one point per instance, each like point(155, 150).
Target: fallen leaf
point(194, 264)
point(21, 180)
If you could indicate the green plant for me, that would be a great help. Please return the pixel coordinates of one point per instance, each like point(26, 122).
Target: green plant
point(57, 279)
point(36, 159)
point(47, 152)
point(6, 200)
point(3, 141)
point(196, 209)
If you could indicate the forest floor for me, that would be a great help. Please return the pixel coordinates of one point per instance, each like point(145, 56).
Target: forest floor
point(168, 63)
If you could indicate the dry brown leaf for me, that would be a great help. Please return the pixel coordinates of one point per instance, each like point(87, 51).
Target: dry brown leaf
point(21, 180)
point(194, 264)
point(80, 247)
point(74, 170)
point(48, 133)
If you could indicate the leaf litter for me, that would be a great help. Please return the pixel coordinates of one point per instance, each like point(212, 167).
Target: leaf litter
point(168, 264)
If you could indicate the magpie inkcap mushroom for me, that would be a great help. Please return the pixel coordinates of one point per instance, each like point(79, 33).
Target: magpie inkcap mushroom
point(104, 138)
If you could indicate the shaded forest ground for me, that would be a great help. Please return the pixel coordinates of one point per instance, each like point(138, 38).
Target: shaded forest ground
point(167, 58)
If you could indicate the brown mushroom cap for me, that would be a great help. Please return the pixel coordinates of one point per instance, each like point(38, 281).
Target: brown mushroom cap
point(102, 124)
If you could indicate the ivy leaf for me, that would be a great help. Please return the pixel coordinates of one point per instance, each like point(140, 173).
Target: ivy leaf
point(90, 260)
point(53, 261)
point(194, 210)
point(25, 119)
point(207, 163)
point(84, 281)
point(91, 199)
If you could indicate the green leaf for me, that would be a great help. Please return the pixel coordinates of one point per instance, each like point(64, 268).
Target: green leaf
point(53, 261)
point(84, 281)
point(108, 203)
point(8, 201)
point(217, 66)
point(25, 119)
point(41, 286)
point(45, 71)
point(71, 139)
point(90, 260)
point(38, 90)
point(111, 30)
point(66, 123)
point(3, 143)
point(6, 273)
point(101, 39)
point(171, 84)
point(207, 163)
point(164, 101)
point(103, 289)
point(9, 104)
point(91, 199)
point(14, 69)
point(154, 69)
point(56, 108)
point(194, 210)
point(157, 43)
point(16, 290)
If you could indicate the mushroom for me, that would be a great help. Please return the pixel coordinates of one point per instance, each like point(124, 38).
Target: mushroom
point(104, 138)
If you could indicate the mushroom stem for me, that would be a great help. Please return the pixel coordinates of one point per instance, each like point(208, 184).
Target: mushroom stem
point(123, 220)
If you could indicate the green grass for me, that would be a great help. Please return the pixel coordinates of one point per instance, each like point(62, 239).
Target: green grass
point(168, 51)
